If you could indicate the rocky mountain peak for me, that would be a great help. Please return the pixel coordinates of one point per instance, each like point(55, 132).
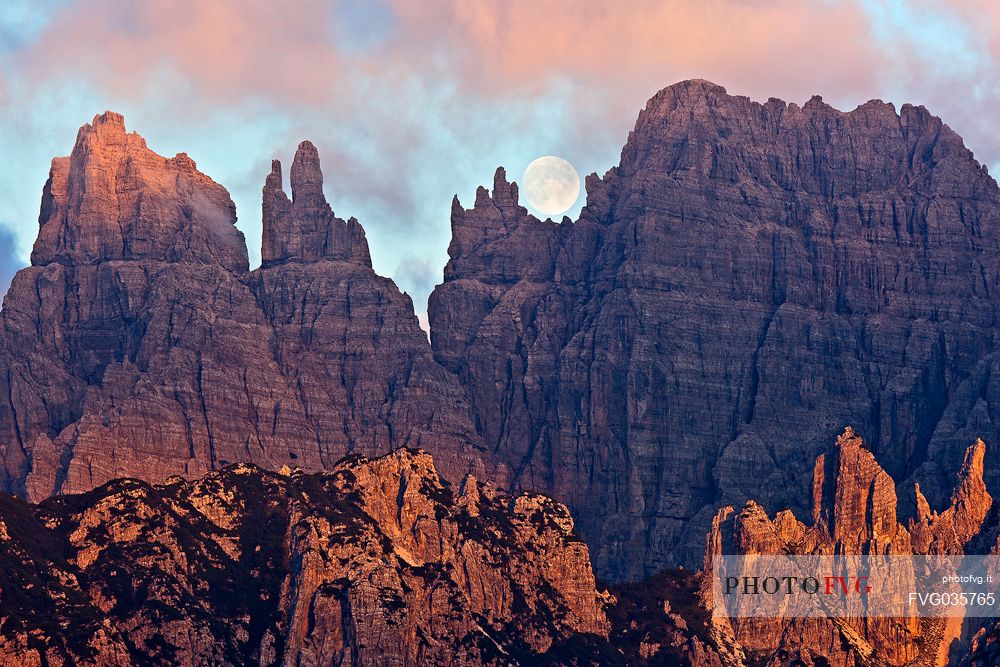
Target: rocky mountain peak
point(305, 228)
point(684, 93)
point(698, 128)
point(115, 199)
point(272, 183)
point(107, 128)
point(504, 192)
point(496, 221)
point(307, 177)
point(856, 506)
point(951, 529)
point(504, 197)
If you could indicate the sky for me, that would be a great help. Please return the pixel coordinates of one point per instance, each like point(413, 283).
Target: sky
point(412, 102)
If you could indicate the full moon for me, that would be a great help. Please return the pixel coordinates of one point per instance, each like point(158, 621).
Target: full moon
point(551, 185)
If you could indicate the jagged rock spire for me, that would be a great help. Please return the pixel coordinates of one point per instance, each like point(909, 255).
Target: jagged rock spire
point(504, 192)
point(497, 217)
point(305, 227)
point(307, 177)
point(854, 499)
point(855, 511)
point(958, 523)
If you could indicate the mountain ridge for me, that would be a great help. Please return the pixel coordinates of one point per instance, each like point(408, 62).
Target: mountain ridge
point(140, 344)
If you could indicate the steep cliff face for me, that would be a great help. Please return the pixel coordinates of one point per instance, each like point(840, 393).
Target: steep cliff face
point(137, 344)
point(854, 512)
point(346, 338)
point(749, 278)
point(124, 342)
point(376, 562)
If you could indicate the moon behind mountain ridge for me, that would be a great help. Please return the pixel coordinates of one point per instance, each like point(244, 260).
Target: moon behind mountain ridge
point(551, 185)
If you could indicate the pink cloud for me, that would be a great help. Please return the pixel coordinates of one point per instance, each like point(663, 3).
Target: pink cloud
point(197, 55)
point(627, 51)
point(225, 49)
point(228, 50)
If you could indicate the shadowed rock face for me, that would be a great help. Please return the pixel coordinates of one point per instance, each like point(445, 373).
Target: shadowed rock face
point(378, 562)
point(137, 344)
point(749, 278)
point(348, 341)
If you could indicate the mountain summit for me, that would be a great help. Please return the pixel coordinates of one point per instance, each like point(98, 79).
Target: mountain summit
point(305, 228)
point(115, 199)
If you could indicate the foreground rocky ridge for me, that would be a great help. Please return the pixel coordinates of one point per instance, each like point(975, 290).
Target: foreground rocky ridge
point(376, 562)
point(381, 561)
